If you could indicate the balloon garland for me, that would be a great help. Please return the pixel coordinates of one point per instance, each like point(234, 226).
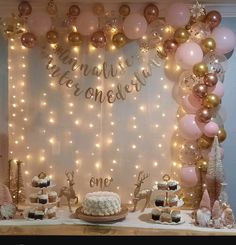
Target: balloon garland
point(192, 39)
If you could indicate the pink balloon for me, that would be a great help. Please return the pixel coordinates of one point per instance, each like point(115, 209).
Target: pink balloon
point(39, 23)
point(189, 128)
point(188, 176)
point(190, 103)
point(211, 129)
point(177, 15)
point(218, 89)
point(188, 54)
point(225, 40)
point(87, 23)
point(134, 26)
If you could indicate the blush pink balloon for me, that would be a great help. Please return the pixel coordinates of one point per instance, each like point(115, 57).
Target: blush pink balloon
point(39, 23)
point(218, 89)
point(225, 40)
point(188, 176)
point(134, 26)
point(190, 103)
point(177, 15)
point(188, 54)
point(211, 129)
point(87, 23)
point(189, 128)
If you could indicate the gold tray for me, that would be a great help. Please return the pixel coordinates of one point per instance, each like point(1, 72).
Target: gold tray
point(102, 219)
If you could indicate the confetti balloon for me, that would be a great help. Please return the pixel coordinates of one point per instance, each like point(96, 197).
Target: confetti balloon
point(24, 8)
point(151, 12)
point(124, 10)
point(74, 10)
point(98, 39)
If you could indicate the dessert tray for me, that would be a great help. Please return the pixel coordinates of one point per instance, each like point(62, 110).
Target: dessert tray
point(101, 219)
point(46, 205)
point(166, 223)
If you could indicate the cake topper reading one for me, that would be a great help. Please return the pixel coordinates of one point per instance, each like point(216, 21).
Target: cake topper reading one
point(100, 182)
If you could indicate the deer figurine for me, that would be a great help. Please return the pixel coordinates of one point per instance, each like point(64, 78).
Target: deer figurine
point(141, 194)
point(69, 192)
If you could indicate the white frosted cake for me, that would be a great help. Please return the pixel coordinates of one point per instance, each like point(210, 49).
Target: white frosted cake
point(101, 203)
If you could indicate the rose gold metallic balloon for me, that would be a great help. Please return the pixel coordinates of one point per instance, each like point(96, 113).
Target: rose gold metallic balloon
point(213, 19)
point(98, 39)
point(200, 90)
point(204, 115)
point(119, 40)
point(52, 37)
point(74, 38)
point(24, 8)
point(28, 40)
point(74, 10)
point(170, 46)
point(124, 10)
point(210, 79)
point(151, 12)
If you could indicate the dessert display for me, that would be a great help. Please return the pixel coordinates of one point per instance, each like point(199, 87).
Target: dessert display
point(101, 203)
point(43, 202)
point(167, 202)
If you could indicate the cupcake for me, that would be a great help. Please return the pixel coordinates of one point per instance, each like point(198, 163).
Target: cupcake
point(172, 185)
point(165, 218)
point(173, 201)
point(43, 199)
point(160, 201)
point(156, 212)
point(42, 183)
point(162, 185)
point(51, 212)
point(52, 196)
point(166, 210)
point(175, 216)
point(39, 214)
point(31, 213)
point(33, 198)
point(35, 181)
point(48, 181)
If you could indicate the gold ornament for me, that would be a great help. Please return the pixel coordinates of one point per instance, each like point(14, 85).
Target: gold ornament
point(211, 101)
point(119, 40)
point(204, 142)
point(200, 69)
point(202, 165)
point(124, 10)
point(221, 134)
point(181, 35)
point(52, 37)
point(208, 45)
point(74, 38)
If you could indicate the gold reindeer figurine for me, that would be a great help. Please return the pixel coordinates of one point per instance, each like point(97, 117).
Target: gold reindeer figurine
point(141, 194)
point(69, 192)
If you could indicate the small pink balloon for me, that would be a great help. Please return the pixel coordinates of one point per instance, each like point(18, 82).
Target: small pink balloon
point(39, 23)
point(188, 176)
point(87, 23)
point(218, 89)
point(190, 103)
point(211, 129)
point(225, 40)
point(189, 128)
point(188, 54)
point(134, 26)
point(177, 15)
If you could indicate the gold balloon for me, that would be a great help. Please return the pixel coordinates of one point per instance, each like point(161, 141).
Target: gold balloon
point(208, 45)
point(211, 101)
point(74, 38)
point(181, 35)
point(124, 10)
point(200, 69)
point(202, 165)
point(221, 134)
point(119, 40)
point(52, 37)
point(204, 142)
